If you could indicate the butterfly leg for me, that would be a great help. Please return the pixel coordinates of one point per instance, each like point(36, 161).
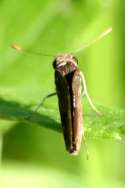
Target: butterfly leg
point(41, 103)
point(85, 93)
point(44, 99)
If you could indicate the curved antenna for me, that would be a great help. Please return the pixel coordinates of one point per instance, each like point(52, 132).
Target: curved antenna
point(19, 49)
point(102, 35)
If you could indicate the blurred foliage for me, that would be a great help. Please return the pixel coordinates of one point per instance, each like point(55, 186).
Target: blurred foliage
point(52, 27)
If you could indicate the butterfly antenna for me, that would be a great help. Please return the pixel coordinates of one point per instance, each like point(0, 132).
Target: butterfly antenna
point(102, 35)
point(20, 49)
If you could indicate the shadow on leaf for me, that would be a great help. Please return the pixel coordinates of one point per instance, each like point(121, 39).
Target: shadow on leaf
point(12, 110)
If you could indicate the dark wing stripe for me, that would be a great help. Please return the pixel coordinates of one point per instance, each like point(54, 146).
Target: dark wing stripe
point(77, 125)
point(64, 101)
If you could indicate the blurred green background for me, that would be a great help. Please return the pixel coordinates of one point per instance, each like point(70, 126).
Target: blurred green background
point(32, 155)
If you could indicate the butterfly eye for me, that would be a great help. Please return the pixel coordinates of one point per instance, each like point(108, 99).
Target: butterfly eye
point(76, 60)
point(55, 64)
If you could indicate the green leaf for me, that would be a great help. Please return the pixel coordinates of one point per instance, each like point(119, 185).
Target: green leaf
point(12, 112)
point(111, 124)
